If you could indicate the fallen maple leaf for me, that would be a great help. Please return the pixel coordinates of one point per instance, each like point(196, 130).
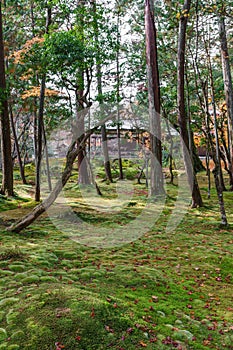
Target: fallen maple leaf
point(144, 345)
point(155, 299)
point(93, 313)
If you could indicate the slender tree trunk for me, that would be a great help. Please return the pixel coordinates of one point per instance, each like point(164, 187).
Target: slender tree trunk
point(196, 162)
point(215, 152)
point(121, 174)
point(7, 164)
point(208, 167)
point(83, 175)
point(35, 129)
point(218, 170)
point(170, 152)
point(41, 120)
point(47, 159)
point(40, 139)
point(225, 155)
point(228, 89)
point(156, 176)
point(182, 118)
point(107, 165)
point(21, 165)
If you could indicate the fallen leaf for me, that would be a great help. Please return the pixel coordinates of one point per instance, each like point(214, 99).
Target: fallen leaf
point(144, 345)
point(155, 299)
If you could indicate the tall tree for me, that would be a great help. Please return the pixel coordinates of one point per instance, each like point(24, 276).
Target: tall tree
point(156, 183)
point(107, 165)
point(227, 78)
point(118, 83)
point(182, 116)
point(7, 164)
point(40, 125)
point(219, 183)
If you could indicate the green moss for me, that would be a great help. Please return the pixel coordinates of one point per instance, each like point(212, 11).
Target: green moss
point(3, 334)
point(55, 290)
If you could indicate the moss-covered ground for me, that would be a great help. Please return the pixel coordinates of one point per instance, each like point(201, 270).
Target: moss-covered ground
point(159, 291)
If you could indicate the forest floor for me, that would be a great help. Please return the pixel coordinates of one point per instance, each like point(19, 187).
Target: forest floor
point(158, 290)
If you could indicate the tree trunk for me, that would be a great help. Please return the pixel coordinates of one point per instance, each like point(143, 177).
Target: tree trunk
point(107, 165)
point(41, 120)
point(71, 155)
point(197, 163)
point(42, 207)
point(228, 89)
point(7, 164)
point(182, 118)
point(214, 150)
point(40, 139)
point(170, 156)
point(83, 175)
point(21, 165)
point(47, 160)
point(121, 174)
point(156, 176)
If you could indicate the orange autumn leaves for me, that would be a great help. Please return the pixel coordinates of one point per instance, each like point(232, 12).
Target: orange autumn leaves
point(35, 91)
point(20, 54)
point(18, 58)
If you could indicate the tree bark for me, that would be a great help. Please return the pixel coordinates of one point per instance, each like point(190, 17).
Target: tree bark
point(41, 120)
point(21, 165)
point(121, 174)
point(156, 176)
point(83, 175)
point(214, 149)
point(182, 118)
point(7, 164)
point(107, 165)
point(228, 90)
point(72, 154)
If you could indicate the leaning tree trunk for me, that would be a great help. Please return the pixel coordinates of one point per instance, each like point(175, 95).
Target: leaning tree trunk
point(156, 178)
point(42, 207)
point(182, 119)
point(71, 156)
point(7, 164)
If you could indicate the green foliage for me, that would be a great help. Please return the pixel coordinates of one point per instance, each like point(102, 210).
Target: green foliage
point(67, 54)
